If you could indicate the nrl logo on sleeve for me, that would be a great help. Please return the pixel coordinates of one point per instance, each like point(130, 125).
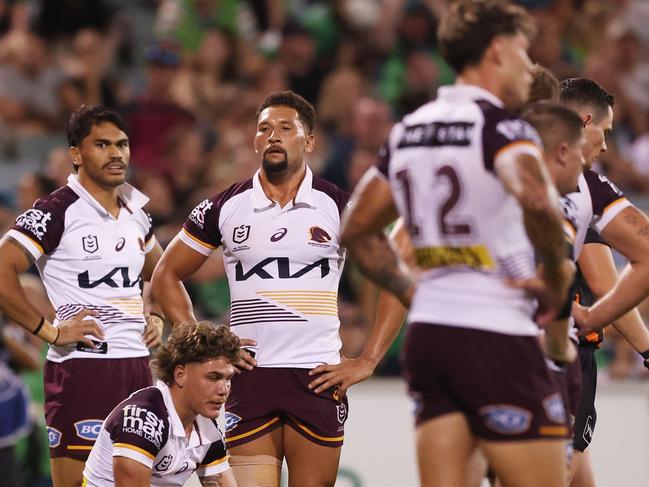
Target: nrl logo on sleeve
point(34, 221)
point(198, 214)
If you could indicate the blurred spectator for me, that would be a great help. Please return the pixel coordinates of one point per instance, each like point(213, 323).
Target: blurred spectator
point(30, 98)
point(154, 114)
point(64, 18)
point(58, 166)
point(89, 79)
point(31, 187)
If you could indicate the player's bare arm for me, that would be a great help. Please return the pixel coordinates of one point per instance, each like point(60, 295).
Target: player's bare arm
point(597, 266)
point(129, 473)
point(371, 208)
point(390, 315)
point(225, 479)
point(14, 260)
point(525, 177)
point(177, 263)
point(153, 312)
point(628, 233)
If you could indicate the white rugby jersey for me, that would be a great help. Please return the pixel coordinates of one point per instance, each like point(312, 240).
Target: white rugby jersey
point(467, 230)
point(89, 259)
point(146, 428)
point(595, 203)
point(283, 267)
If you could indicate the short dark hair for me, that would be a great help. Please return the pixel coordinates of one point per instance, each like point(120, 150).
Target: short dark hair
point(194, 343)
point(545, 85)
point(82, 121)
point(583, 92)
point(555, 123)
point(468, 26)
point(290, 99)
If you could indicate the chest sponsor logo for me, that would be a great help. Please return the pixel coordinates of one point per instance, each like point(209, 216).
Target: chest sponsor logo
point(53, 437)
point(198, 214)
point(231, 421)
point(319, 237)
point(120, 244)
point(436, 134)
point(90, 243)
point(240, 234)
point(278, 235)
point(88, 429)
point(35, 221)
point(506, 419)
point(117, 277)
point(142, 422)
point(279, 268)
point(164, 463)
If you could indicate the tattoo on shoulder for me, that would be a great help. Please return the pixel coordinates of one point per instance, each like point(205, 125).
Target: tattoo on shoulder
point(28, 255)
point(644, 231)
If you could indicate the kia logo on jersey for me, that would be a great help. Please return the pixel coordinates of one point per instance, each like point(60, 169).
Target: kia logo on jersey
point(278, 235)
point(240, 234)
point(90, 243)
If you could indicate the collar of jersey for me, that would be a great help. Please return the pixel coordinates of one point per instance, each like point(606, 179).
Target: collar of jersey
point(208, 431)
point(468, 92)
point(133, 198)
point(261, 202)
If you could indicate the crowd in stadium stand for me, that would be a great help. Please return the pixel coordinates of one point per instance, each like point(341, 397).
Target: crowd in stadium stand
point(188, 75)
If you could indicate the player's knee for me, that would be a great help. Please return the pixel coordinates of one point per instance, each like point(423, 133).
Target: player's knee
point(256, 470)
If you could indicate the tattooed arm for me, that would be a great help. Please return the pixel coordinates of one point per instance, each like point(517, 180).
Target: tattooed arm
point(628, 233)
point(371, 209)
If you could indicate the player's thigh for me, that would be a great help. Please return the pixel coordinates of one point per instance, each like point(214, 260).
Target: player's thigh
point(446, 452)
point(67, 472)
point(582, 473)
point(258, 463)
point(309, 464)
point(531, 463)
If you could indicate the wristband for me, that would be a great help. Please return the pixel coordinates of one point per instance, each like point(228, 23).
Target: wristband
point(47, 331)
point(645, 354)
point(40, 325)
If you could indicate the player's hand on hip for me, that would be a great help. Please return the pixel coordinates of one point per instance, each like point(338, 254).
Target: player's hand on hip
point(75, 329)
point(580, 315)
point(246, 358)
point(153, 331)
point(342, 375)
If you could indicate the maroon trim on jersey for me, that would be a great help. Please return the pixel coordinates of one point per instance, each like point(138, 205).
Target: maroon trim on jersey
point(383, 160)
point(217, 450)
point(602, 191)
point(141, 421)
point(339, 196)
point(493, 139)
point(45, 221)
point(149, 234)
point(210, 232)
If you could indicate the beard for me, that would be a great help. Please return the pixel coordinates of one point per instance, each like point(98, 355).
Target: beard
point(275, 166)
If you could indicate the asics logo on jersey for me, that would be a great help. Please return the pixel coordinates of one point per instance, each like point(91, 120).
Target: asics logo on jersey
point(283, 266)
point(198, 214)
point(120, 244)
point(34, 221)
point(108, 279)
point(142, 422)
point(278, 235)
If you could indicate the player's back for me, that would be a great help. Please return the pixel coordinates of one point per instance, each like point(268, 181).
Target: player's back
point(467, 231)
